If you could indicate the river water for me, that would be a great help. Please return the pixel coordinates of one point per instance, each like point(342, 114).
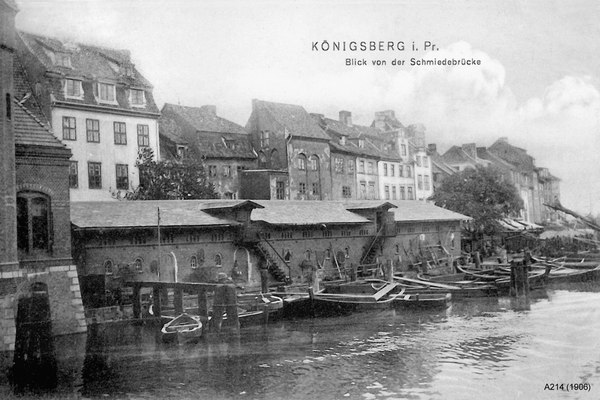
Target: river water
point(493, 348)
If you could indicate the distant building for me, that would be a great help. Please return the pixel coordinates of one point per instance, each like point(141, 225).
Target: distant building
point(98, 105)
point(198, 132)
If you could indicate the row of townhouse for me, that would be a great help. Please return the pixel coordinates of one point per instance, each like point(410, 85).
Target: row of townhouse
point(536, 185)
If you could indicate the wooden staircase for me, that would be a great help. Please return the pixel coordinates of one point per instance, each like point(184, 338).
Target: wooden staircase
point(370, 254)
point(272, 262)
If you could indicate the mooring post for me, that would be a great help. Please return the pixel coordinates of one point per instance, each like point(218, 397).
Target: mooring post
point(519, 283)
point(477, 260)
point(353, 272)
point(156, 301)
point(178, 300)
point(389, 271)
point(203, 305)
point(137, 302)
point(264, 280)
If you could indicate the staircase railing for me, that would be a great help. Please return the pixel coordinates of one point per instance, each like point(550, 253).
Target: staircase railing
point(366, 253)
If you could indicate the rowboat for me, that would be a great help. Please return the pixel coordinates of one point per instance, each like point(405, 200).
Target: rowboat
point(332, 300)
point(183, 328)
point(456, 284)
point(423, 300)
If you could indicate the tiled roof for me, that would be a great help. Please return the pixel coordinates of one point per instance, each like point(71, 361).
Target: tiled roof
point(282, 212)
point(170, 130)
point(124, 214)
point(411, 210)
point(22, 89)
point(293, 118)
point(90, 63)
point(203, 119)
point(30, 131)
point(368, 204)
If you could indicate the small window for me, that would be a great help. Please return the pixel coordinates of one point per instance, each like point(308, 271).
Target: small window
point(328, 254)
point(302, 188)
point(73, 88)
point(315, 188)
point(33, 221)
point(108, 267)
point(69, 128)
point(73, 175)
point(351, 166)
point(106, 92)
point(92, 127)
point(120, 133)
point(262, 160)
point(307, 255)
point(8, 106)
point(137, 97)
point(280, 190)
point(212, 170)
point(122, 177)
point(314, 163)
point(63, 60)
point(95, 175)
point(347, 251)
point(201, 256)
point(302, 162)
point(264, 139)
point(346, 192)
point(385, 169)
point(194, 262)
point(138, 265)
point(392, 169)
point(218, 260)
point(227, 171)
point(143, 132)
point(287, 255)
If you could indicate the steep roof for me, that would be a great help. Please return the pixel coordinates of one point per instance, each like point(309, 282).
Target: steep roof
point(203, 119)
point(90, 63)
point(293, 118)
point(411, 211)
point(126, 214)
point(29, 130)
point(512, 154)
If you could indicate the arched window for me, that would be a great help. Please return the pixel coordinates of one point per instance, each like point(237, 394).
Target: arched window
point(194, 262)
point(138, 265)
point(327, 254)
point(262, 160)
point(314, 163)
point(307, 256)
point(218, 260)
point(302, 162)
point(108, 267)
point(275, 162)
point(33, 222)
point(287, 255)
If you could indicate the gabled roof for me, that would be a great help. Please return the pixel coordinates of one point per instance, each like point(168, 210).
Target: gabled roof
point(293, 118)
point(483, 153)
point(456, 155)
point(283, 212)
point(203, 119)
point(369, 205)
point(144, 214)
point(30, 131)
point(411, 211)
point(23, 91)
point(512, 154)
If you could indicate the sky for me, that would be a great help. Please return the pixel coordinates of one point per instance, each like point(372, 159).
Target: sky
point(537, 82)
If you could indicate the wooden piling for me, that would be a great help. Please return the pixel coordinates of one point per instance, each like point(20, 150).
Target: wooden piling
point(137, 302)
point(353, 272)
point(264, 280)
point(519, 282)
point(178, 300)
point(156, 301)
point(477, 260)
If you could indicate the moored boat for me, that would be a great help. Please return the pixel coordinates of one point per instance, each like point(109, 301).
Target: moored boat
point(424, 300)
point(344, 298)
point(184, 327)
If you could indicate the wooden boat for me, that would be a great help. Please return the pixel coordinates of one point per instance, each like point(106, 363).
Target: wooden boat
point(184, 327)
point(331, 300)
point(256, 308)
point(560, 274)
point(424, 300)
point(456, 284)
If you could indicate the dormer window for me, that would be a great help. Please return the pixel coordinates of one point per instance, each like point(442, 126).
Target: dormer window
point(129, 71)
point(230, 144)
point(137, 97)
point(63, 60)
point(105, 92)
point(73, 88)
point(180, 151)
point(361, 143)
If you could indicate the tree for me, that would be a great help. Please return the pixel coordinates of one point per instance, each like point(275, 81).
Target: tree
point(482, 194)
point(171, 180)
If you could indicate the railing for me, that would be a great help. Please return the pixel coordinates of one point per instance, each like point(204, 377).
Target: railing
point(366, 254)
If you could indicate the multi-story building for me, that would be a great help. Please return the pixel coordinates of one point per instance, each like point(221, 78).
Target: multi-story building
point(549, 187)
point(198, 132)
point(286, 138)
point(439, 168)
point(99, 105)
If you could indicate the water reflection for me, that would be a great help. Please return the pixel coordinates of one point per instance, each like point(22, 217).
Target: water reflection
point(478, 348)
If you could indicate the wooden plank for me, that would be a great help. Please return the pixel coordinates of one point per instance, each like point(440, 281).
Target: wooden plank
point(385, 290)
point(427, 283)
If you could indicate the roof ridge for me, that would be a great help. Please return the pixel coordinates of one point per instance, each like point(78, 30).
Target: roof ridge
point(36, 119)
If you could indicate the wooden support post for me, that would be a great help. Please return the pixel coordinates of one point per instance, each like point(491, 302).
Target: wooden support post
point(477, 259)
point(315, 279)
point(353, 272)
point(137, 302)
point(203, 305)
point(178, 300)
point(156, 301)
point(264, 280)
point(389, 271)
point(519, 283)
point(311, 297)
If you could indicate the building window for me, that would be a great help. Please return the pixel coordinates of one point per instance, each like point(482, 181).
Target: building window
point(409, 171)
point(410, 193)
point(385, 169)
point(194, 262)
point(227, 171)
point(393, 192)
point(302, 162)
point(287, 255)
point(264, 139)
point(314, 163)
point(420, 182)
point(95, 175)
point(339, 165)
point(351, 166)
point(400, 171)
point(426, 182)
point(361, 167)
point(387, 192)
point(108, 267)
point(346, 192)
point(392, 170)
point(275, 161)
point(212, 170)
point(73, 88)
point(218, 260)
point(122, 177)
point(92, 128)
point(120, 133)
point(262, 160)
point(370, 166)
point(73, 174)
point(33, 221)
point(363, 190)
point(302, 188)
point(402, 194)
point(403, 149)
point(280, 190)
point(143, 133)
point(315, 188)
point(425, 162)
point(63, 60)
point(361, 143)
point(8, 99)
point(371, 190)
point(69, 129)
point(106, 92)
point(418, 161)
point(137, 97)
point(138, 265)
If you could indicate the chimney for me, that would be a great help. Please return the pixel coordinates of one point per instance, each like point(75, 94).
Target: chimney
point(346, 118)
point(210, 109)
point(318, 118)
point(343, 140)
point(432, 148)
point(470, 149)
